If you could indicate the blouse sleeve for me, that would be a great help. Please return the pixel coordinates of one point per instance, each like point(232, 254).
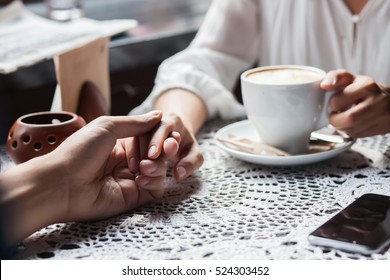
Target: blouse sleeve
point(225, 45)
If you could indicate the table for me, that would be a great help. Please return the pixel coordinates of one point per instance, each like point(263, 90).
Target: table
point(228, 209)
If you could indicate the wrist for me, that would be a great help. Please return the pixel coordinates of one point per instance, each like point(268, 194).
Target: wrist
point(31, 198)
point(185, 104)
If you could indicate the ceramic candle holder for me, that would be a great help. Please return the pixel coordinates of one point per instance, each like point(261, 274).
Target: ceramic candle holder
point(37, 134)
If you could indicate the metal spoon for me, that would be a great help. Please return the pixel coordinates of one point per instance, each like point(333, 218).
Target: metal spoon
point(249, 146)
point(330, 134)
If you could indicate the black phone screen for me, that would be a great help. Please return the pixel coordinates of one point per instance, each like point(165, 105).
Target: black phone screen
point(363, 226)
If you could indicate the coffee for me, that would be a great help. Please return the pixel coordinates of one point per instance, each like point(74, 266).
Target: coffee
point(284, 76)
point(284, 104)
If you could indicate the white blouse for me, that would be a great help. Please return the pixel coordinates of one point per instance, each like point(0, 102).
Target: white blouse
point(236, 34)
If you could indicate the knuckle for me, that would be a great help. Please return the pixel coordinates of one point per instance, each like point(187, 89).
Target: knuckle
point(362, 110)
point(174, 118)
point(350, 118)
point(104, 122)
point(369, 84)
point(353, 116)
point(200, 159)
point(172, 121)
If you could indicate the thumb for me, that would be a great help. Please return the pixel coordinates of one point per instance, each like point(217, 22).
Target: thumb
point(127, 126)
point(337, 79)
point(104, 132)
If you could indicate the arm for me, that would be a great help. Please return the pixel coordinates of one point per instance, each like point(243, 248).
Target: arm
point(225, 45)
point(195, 84)
point(184, 113)
point(188, 106)
point(30, 199)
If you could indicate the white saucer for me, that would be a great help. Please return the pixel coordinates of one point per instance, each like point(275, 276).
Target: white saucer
point(245, 129)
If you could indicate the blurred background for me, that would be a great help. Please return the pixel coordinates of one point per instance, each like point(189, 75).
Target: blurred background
point(164, 28)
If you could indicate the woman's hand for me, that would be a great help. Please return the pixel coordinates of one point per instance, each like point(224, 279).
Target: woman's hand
point(172, 141)
point(360, 107)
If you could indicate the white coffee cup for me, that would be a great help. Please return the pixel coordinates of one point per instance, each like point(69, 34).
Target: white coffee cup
point(285, 104)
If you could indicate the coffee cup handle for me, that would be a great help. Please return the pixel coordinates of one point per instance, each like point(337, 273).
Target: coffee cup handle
point(324, 117)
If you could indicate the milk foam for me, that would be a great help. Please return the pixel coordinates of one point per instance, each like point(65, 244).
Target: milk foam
point(284, 76)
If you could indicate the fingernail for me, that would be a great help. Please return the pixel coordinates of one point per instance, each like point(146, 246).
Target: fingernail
point(152, 151)
point(181, 171)
point(329, 81)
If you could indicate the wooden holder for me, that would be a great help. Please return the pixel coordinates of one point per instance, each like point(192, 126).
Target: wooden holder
point(84, 80)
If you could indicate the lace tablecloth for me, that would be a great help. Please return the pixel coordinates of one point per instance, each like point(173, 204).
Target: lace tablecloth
point(228, 209)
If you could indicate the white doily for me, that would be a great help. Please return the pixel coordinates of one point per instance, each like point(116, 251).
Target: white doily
point(229, 209)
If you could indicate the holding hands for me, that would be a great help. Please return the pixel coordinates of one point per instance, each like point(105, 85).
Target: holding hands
point(173, 142)
point(99, 171)
point(99, 164)
point(360, 107)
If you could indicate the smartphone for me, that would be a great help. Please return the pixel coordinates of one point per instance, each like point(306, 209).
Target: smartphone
point(361, 227)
